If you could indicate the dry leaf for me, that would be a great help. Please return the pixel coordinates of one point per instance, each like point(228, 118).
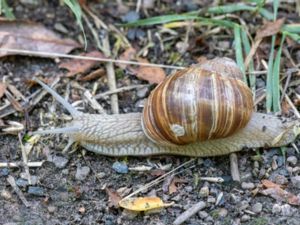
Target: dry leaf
point(269, 29)
point(24, 35)
point(76, 66)
point(173, 186)
point(153, 75)
point(93, 75)
point(269, 184)
point(143, 203)
point(281, 195)
point(113, 198)
point(2, 89)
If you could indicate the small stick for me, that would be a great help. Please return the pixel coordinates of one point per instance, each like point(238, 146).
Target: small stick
point(189, 213)
point(235, 173)
point(118, 90)
point(111, 76)
point(25, 159)
point(13, 184)
point(18, 164)
point(92, 100)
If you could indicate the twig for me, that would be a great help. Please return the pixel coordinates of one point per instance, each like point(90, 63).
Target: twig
point(13, 184)
point(18, 164)
point(98, 22)
point(94, 104)
point(234, 167)
point(118, 90)
point(25, 159)
point(111, 76)
point(189, 213)
point(59, 55)
point(33, 99)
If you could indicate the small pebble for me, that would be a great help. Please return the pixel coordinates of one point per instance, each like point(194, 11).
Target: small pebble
point(280, 161)
point(276, 209)
point(223, 212)
point(101, 175)
point(37, 191)
point(286, 210)
point(65, 171)
point(59, 161)
point(234, 198)
point(203, 214)
point(296, 181)
point(204, 191)
point(4, 172)
point(257, 207)
point(292, 160)
point(220, 199)
point(120, 167)
point(279, 179)
point(211, 199)
point(248, 185)
point(142, 92)
point(245, 218)
point(82, 172)
point(22, 183)
point(131, 16)
point(5, 194)
point(243, 205)
point(51, 209)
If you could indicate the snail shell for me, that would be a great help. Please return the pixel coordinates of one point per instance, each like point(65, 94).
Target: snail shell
point(203, 102)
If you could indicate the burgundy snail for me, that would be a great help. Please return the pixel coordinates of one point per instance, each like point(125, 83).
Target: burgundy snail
point(204, 110)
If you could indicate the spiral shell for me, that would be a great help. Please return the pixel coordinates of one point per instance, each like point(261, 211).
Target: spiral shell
point(197, 104)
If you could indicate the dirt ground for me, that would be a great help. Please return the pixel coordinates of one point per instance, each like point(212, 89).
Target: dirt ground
point(73, 188)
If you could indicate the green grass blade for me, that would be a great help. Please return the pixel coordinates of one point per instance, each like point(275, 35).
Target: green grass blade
point(230, 8)
point(292, 28)
point(275, 8)
point(161, 20)
point(269, 94)
point(294, 36)
point(276, 77)
point(239, 50)
point(7, 10)
point(247, 48)
point(76, 9)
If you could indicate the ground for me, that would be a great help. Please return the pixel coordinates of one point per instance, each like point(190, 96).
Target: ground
point(73, 188)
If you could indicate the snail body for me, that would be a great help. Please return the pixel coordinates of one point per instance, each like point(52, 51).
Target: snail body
point(224, 126)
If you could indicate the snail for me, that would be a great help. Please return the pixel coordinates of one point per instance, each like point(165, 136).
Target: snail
point(214, 118)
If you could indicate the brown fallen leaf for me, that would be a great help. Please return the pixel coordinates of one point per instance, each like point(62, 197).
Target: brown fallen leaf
point(153, 75)
point(93, 75)
point(269, 184)
point(173, 185)
point(2, 89)
point(143, 203)
point(269, 29)
point(276, 192)
point(76, 66)
point(281, 195)
point(113, 198)
point(25, 35)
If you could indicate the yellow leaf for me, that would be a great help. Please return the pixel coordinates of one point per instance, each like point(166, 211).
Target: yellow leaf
point(143, 203)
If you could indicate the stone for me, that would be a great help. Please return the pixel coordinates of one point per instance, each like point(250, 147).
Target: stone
point(211, 199)
point(286, 210)
point(120, 167)
point(245, 218)
point(131, 16)
point(51, 209)
point(5, 194)
point(101, 175)
point(82, 172)
point(248, 185)
point(22, 183)
point(257, 207)
point(59, 161)
point(276, 209)
point(204, 191)
point(292, 160)
point(223, 212)
point(202, 214)
point(4, 172)
point(142, 92)
point(296, 181)
point(37, 191)
point(280, 179)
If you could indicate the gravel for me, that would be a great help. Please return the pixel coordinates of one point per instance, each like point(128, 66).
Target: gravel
point(82, 172)
point(257, 208)
point(248, 185)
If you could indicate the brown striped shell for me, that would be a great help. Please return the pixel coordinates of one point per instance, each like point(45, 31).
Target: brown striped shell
point(199, 103)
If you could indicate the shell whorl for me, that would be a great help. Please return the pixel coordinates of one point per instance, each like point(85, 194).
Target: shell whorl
point(197, 104)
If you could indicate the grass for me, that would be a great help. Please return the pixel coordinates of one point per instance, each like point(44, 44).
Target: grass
point(4, 8)
point(241, 40)
point(76, 9)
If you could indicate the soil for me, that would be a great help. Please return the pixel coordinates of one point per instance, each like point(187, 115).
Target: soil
point(60, 195)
